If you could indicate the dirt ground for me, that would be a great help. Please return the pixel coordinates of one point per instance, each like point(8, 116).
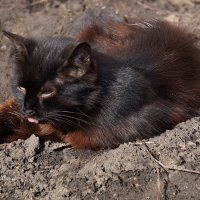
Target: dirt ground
point(32, 170)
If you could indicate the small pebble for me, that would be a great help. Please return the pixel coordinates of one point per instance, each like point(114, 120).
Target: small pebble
point(3, 48)
point(192, 144)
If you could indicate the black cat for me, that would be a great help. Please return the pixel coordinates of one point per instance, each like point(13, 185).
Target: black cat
point(111, 83)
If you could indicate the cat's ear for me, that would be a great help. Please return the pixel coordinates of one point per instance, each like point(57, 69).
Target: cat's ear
point(20, 45)
point(80, 60)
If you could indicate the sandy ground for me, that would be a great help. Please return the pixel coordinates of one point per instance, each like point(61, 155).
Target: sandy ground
point(33, 170)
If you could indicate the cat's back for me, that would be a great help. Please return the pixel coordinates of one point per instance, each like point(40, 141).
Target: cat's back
point(144, 43)
point(153, 46)
point(166, 54)
point(160, 44)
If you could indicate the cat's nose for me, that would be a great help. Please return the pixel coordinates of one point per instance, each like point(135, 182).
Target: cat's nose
point(29, 112)
point(29, 106)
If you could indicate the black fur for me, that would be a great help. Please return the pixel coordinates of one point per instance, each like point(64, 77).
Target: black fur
point(135, 84)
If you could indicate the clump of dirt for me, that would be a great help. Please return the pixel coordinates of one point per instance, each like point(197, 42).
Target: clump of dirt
point(165, 167)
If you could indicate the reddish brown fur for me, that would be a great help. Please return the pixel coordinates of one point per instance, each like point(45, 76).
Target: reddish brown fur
point(11, 121)
point(111, 39)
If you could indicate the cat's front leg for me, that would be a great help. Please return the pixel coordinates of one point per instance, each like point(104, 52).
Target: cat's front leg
point(78, 139)
point(48, 132)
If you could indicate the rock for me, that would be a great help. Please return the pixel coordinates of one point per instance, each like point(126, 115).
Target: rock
point(18, 154)
point(191, 144)
point(3, 48)
point(172, 18)
point(76, 7)
point(31, 146)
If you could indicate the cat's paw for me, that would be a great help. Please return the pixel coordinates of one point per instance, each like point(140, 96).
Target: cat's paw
point(11, 122)
point(48, 132)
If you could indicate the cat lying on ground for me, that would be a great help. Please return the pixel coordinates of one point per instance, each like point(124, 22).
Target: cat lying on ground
point(111, 83)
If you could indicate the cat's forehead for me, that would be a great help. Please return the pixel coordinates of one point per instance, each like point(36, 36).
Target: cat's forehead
point(49, 49)
point(47, 54)
point(43, 61)
point(57, 43)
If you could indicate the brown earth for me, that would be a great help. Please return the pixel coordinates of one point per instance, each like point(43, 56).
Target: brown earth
point(31, 170)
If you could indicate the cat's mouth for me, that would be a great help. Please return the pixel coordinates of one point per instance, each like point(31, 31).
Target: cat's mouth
point(36, 120)
point(33, 120)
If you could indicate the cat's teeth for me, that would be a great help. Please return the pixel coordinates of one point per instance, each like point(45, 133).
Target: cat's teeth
point(33, 120)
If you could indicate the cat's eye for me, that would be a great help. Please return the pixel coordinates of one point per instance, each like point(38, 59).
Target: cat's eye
point(47, 94)
point(21, 89)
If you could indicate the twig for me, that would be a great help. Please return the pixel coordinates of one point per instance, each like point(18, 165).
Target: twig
point(165, 187)
point(183, 170)
point(158, 184)
point(37, 2)
point(166, 168)
point(147, 6)
point(142, 142)
point(68, 146)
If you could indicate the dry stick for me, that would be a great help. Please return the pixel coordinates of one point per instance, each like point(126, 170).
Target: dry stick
point(142, 142)
point(158, 184)
point(37, 2)
point(147, 6)
point(67, 146)
point(167, 167)
point(0, 32)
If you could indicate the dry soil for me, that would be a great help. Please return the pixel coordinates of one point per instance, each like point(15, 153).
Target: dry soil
point(34, 170)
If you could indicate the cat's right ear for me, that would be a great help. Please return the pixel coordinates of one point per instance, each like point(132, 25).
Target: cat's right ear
point(20, 45)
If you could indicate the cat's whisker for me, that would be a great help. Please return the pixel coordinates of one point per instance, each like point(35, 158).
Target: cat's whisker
point(15, 113)
point(65, 117)
point(11, 122)
point(63, 123)
point(58, 117)
point(85, 122)
point(70, 112)
point(62, 119)
point(51, 122)
point(83, 113)
point(18, 130)
point(71, 117)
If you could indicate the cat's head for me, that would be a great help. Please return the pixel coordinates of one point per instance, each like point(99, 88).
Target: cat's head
point(56, 79)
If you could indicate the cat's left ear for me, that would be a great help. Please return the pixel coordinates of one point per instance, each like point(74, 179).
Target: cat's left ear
point(80, 60)
point(20, 45)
